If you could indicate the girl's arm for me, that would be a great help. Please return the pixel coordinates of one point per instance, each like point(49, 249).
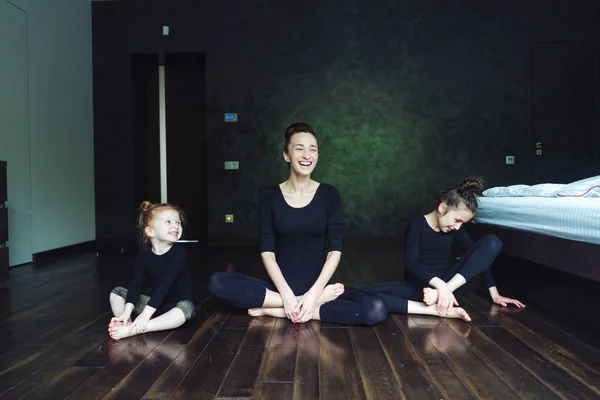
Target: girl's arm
point(135, 288)
point(411, 258)
point(175, 268)
point(174, 271)
point(503, 301)
point(464, 240)
point(412, 240)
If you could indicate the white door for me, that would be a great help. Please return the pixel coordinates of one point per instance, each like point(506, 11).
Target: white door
point(14, 129)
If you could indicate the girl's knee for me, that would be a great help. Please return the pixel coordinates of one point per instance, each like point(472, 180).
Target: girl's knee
point(119, 291)
point(187, 308)
point(493, 242)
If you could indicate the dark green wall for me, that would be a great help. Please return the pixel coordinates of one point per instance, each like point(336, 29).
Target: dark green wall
point(407, 97)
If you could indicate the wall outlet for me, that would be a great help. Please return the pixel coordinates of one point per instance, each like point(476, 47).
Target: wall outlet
point(229, 218)
point(232, 165)
point(510, 159)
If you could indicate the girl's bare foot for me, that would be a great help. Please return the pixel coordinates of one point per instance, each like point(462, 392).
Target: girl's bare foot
point(268, 312)
point(457, 312)
point(430, 296)
point(114, 325)
point(121, 332)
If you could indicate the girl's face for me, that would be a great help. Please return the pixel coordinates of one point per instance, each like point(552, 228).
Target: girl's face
point(303, 153)
point(451, 219)
point(165, 227)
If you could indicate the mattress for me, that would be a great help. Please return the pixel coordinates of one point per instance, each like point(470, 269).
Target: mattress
point(571, 218)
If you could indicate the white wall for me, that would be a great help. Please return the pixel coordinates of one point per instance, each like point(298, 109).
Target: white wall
point(59, 40)
point(14, 129)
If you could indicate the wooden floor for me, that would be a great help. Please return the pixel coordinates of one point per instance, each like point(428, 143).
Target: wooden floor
point(54, 344)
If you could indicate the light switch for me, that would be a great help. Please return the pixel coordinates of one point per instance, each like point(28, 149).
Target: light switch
point(232, 165)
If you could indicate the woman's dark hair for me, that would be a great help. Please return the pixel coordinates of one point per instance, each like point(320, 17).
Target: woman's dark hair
point(296, 128)
point(463, 194)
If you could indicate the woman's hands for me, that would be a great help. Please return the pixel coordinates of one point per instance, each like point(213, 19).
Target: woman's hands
point(290, 303)
point(305, 307)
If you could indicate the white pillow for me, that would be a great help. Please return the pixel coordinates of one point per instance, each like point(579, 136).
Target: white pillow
point(589, 187)
point(541, 190)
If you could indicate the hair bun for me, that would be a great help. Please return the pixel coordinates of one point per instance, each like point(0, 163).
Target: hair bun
point(145, 206)
point(472, 184)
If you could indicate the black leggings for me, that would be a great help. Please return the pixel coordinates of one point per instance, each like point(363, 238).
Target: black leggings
point(353, 307)
point(475, 262)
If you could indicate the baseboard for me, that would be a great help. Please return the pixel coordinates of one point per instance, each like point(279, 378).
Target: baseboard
point(124, 245)
point(374, 240)
point(350, 240)
point(233, 242)
point(4, 274)
point(63, 252)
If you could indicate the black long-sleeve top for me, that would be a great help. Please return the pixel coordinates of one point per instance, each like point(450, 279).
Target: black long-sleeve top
point(299, 236)
point(428, 251)
point(168, 275)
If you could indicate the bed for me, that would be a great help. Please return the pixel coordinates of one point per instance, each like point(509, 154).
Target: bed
point(551, 236)
point(562, 233)
point(576, 218)
point(557, 225)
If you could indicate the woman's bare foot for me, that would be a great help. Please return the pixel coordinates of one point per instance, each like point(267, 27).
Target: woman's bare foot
point(267, 312)
point(430, 296)
point(330, 293)
point(121, 332)
point(457, 312)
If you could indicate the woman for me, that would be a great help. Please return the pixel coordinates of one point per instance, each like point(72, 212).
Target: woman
point(300, 219)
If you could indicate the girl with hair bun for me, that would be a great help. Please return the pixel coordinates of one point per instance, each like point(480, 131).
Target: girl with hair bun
point(430, 284)
point(163, 261)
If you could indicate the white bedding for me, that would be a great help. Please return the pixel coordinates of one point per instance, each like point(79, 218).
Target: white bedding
point(574, 218)
point(588, 187)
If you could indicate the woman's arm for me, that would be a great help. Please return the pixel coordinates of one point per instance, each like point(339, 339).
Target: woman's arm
point(331, 263)
point(334, 232)
point(270, 263)
point(267, 252)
